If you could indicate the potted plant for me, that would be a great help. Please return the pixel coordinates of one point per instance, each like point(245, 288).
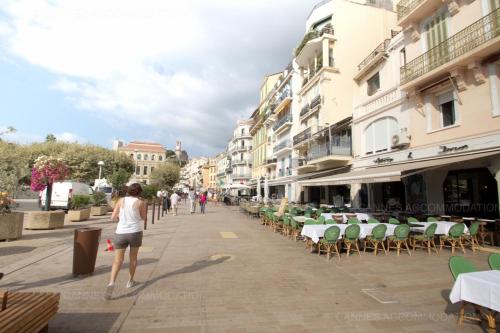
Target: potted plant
point(100, 204)
point(46, 171)
point(11, 223)
point(79, 208)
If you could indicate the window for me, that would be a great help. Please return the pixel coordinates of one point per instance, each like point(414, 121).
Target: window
point(378, 135)
point(138, 157)
point(153, 157)
point(241, 157)
point(145, 171)
point(146, 157)
point(160, 158)
point(152, 168)
point(137, 170)
point(447, 108)
point(242, 131)
point(373, 84)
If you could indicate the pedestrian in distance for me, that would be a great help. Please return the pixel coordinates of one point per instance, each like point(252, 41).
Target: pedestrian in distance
point(203, 202)
point(192, 200)
point(130, 212)
point(174, 201)
point(166, 202)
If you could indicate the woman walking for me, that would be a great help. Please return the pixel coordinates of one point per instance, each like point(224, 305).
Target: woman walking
point(203, 202)
point(130, 213)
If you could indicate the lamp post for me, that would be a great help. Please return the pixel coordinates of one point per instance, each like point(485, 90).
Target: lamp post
point(100, 164)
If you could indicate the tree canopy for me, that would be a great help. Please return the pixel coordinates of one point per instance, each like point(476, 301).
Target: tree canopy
point(166, 175)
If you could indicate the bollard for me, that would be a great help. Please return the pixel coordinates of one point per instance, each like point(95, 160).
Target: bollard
point(146, 219)
point(160, 207)
point(153, 215)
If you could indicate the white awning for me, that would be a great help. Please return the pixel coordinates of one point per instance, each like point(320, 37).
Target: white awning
point(392, 173)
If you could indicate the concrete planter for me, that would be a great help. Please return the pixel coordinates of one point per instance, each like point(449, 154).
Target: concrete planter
point(99, 210)
point(45, 220)
point(79, 215)
point(11, 226)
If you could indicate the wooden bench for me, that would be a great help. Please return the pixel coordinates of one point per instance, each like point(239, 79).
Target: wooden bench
point(27, 311)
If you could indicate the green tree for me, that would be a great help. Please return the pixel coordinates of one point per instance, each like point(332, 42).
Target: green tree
point(50, 138)
point(119, 178)
point(166, 175)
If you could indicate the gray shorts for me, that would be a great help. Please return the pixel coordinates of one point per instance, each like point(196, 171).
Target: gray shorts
point(133, 239)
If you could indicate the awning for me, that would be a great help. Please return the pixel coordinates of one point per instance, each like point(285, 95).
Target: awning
point(392, 173)
point(283, 181)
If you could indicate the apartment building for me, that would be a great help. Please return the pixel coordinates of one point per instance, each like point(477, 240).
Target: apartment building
point(146, 155)
point(222, 165)
point(240, 151)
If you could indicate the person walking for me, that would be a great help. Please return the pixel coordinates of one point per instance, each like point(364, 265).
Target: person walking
point(174, 201)
point(130, 212)
point(203, 202)
point(165, 202)
point(192, 200)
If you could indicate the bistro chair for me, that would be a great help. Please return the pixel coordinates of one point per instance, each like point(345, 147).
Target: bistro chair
point(426, 239)
point(321, 219)
point(286, 225)
point(412, 220)
point(353, 220)
point(310, 221)
point(399, 238)
point(393, 220)
point(277, 223)
point(494, 261)
point(319, 212)
point(351, 237)
point(459, 265)
point(471, 238)
point(454, 238)
point(484, 233)
point(330, 221)
point(296, 229)
point(432, 219)
point(307, 214)
point(373, 221)
point(339, 218)
point(377, 237)
point(329, 242)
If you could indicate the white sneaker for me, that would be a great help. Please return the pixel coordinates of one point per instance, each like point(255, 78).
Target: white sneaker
point(109, 291)
point(131, 284)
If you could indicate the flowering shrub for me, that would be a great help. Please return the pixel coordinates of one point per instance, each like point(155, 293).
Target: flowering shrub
point(47, 170)
point(5, 203)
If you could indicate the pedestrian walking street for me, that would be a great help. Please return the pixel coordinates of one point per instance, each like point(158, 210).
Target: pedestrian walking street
point(225, 272)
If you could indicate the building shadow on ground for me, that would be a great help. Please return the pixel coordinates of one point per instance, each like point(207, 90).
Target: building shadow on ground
point(83, 322)
point(16, 250)
point(68, 278)
point(194, 267)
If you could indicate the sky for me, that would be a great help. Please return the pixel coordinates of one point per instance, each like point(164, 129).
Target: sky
point(92, 71)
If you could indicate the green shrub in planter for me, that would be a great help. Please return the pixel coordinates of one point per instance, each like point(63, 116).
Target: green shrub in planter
point(79, 202)
point(99, 199)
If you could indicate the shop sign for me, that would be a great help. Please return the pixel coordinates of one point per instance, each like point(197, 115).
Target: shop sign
point(446, 149)
point(383, 160)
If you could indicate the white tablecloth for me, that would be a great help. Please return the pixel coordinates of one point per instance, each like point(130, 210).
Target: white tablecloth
point(481, 288)
point(360, 216)
point(443, 227)
point(302, 219)
point(316, 231)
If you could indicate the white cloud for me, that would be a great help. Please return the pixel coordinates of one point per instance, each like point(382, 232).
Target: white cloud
point(69, 137)
point(186, 68)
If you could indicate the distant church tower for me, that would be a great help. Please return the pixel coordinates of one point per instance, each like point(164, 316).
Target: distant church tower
point(178, 149)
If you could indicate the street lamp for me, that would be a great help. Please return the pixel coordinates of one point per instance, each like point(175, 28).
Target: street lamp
point(100, 164)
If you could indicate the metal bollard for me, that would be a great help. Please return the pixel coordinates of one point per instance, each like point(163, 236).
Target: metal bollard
point(153, 215)
point(160, 207)
point(146, 219)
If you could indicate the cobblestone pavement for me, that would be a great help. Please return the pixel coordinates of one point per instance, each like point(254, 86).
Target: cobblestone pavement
point(224, 272)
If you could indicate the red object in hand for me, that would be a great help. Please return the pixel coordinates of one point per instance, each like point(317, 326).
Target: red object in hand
point(109, 245)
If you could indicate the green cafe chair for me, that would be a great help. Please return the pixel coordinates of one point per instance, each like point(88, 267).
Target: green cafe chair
point(329, 242)
point(432, 219)
point(351, 237)
point(494, 261)
point(393, 220)
point(310, 222)
point(412, 220)
point(376, 238)
point(454, 238)
point(399, 239)
point(321, 219)
point(471, 238)
point(307, 214)
point(295, 229)
point(286, 225)
point(330, 221)
point(373, 221)
point(459, 265)
point(353, 220)
point(426, 239)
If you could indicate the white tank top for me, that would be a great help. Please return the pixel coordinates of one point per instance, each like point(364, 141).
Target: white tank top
point(130, 219)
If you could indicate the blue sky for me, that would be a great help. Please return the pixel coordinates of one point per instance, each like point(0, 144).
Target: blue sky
point(92, 71)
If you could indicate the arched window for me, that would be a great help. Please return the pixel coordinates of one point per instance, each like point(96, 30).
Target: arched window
point(146, 157)
point(139, 157)
point(378, 135)
point(153, 157)
point(160, 158)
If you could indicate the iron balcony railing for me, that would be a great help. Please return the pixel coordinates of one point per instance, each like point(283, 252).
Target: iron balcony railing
point(404, 7)
point(229, 170)
point(287, 92)
point(285, 173)
point(327, 29)
point(315, 102)
point(282, 145)
point(342, 148)
point(271, 160)
point(474, 35)
point(304, 110)
point(302, 136)
point(241, 175)
point(283, 120)
point(239, 162)
point(381, 48)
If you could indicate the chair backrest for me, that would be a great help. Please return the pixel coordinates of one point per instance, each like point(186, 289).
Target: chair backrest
point(294, 223)
point(457, 230)
point(432, 219)
point(373, 220)
point(378, 232)
point(309, 222)
point(286, 220)
point(460, 265)
point(474, 228)
point(402, 231)
point(321, 219)
point(332, 234)
point(494, 261)
point(319, 211)
point(352, 232)
point(412, 220)
point(393, 220)
point(307, 214)
point(353, 220)
point(330, 221)
point(430, 230)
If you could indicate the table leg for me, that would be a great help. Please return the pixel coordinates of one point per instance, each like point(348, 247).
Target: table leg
point(490, 317)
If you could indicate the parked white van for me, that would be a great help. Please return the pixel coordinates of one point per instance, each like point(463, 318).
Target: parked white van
point(62, 193)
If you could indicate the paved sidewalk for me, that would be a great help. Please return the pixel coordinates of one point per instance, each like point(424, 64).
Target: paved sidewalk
point(223, 272)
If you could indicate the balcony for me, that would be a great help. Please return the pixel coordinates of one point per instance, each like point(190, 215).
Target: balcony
point(476, 41)
point(373, 59)
point(271, 161)
point(302, 136)
point(409, 11)
point(242, 136)
point(285, 144)
point(282, 123)
point(311, 35)
point(312, 108)
point(229, 170)
point(240, 162)
point(242, 149)
point(304, 110)
point(285, 173)
point(241, 176)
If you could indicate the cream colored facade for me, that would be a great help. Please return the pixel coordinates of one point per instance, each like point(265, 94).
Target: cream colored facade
point(146, 155)
point(222, 165)
point(240, 152)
